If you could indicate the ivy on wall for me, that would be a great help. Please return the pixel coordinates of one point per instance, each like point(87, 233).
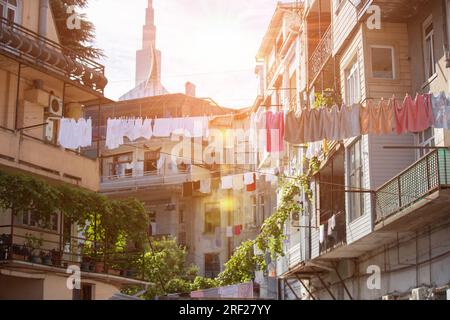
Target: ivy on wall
point(244, 262)
point(114, 220)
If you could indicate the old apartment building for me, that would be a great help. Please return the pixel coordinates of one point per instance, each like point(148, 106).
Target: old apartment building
point(41, 82)
point(384, 194)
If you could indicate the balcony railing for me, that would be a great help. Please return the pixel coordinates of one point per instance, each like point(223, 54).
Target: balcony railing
point(41, 52)
point(57, 250)
point(321, 54)
point(147, 179)
point(337, 236)
point(426, 176)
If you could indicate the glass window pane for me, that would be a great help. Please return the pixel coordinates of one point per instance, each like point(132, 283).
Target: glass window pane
point(382, 64)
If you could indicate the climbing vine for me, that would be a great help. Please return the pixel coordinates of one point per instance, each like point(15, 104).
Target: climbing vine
point(115, 220)
point(246, 260)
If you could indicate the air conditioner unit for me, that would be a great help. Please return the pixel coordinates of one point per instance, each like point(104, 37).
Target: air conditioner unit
point(55, 107)
point(295, 219)
point(419, 294)
point(49, 131)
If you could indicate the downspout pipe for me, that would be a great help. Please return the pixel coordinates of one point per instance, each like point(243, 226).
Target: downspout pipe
point(43, 17)
point(446, 34)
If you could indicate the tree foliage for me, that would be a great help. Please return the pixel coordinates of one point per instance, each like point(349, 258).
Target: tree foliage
point(80, 40)
point(244, 262)
point(167, 269)
point(114, 220)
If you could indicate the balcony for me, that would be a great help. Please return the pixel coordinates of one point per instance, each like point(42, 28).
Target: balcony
point(321, 55)
point(30, 48)
point(26, 153)
point(334, 238)
point(422, 189)
point(35, 249)
point(147, 179)
point(295, 256)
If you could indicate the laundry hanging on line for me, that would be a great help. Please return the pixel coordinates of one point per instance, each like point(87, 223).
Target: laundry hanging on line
point(74, 134)
point(133, 129)
point(411, 116)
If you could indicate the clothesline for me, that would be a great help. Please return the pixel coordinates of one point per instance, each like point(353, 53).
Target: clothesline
point(137, 128)
point(388, 117)
point(74, 134)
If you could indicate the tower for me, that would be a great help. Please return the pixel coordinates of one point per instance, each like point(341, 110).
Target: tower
point(148, 62)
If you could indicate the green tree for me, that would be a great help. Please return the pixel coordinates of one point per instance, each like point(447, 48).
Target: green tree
point(80, 40)
point(167, 269)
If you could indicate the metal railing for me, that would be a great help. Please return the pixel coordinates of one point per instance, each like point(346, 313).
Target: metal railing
point(337, 237)
point(152, 178)
point(321, 54)
point(60, 251)
point(424, 177)
point(41, 52)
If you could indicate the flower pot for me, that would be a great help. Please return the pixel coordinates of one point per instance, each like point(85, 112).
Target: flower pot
point(47, 261)
point(114, 272)
point(35, 260)
point(99, 267)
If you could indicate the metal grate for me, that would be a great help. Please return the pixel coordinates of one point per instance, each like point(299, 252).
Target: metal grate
point(425, 176)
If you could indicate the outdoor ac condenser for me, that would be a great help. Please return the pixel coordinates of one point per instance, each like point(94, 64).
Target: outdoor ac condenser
point(419, 294)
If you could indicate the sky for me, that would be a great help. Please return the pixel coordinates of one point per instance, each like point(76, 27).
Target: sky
point(212, 43)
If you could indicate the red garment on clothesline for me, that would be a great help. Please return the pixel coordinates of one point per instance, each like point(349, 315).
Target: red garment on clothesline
point(414, 115)
point(275, 131)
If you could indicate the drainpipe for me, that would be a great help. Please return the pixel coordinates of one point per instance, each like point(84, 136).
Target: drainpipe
point(43, 15)
point(446, 35)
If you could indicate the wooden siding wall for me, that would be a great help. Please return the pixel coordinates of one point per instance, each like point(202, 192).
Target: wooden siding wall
point(355, 50)
point(386, 164)
point(393, 35)
point(344, 21)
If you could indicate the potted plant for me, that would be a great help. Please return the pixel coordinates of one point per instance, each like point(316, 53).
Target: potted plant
point(56, 258)
point(46, 258)
point(34, 245)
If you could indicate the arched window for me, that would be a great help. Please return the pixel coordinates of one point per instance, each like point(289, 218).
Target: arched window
point(9, 9)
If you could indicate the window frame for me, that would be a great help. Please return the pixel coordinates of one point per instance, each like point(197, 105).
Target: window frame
point(425, 25)
point(422, 141)
point(353, 172)
point(8, 6)
point(352, 73)
point(393, 60)
point(209, 228)
point(215, 262)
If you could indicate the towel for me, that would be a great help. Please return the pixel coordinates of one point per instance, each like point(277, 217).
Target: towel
point(238, 182)
point(322, 234)
point(249, 178)
point(227, 183)
point(205, 186)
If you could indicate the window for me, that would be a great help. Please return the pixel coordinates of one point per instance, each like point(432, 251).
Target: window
point(356, 180)
point(352, 85)
point(262, 205)
point(212, 220)
point(31, 219)
point(9, 10)
point(428, 47)
point(151, 161)
point(425, 139)
point(383, 66)
point(181, 219)
point(212, 265)
point(86, 293)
